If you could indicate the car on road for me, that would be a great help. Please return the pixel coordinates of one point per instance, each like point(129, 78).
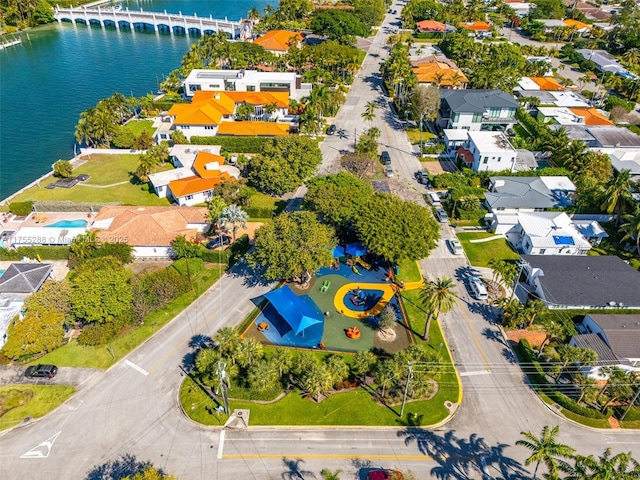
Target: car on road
point(478, 290)
point(41, 371)
point(388, 170)
point(422, 176)
point(219, 241)
point(441, 215)
point(455, 246)
point(332, 129)
point(384, 474)
point(385, 157)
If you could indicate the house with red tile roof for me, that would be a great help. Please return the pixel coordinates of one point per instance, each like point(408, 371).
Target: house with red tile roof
point(440, 71)
point(149, 230)
point(278, 42)
point(477, 26)
point(209, 110)
point(431, 26)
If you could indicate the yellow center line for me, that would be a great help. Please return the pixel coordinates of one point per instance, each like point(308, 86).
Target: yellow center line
point(476, 340)
point(329, 456)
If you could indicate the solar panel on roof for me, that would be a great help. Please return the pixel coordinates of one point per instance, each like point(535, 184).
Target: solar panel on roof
point(563, 240)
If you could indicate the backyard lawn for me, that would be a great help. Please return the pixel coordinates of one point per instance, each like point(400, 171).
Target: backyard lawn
point(138, 126)
point(481, 253)
point(109, 182)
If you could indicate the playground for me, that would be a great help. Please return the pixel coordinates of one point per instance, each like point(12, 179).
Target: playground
point(336, 312)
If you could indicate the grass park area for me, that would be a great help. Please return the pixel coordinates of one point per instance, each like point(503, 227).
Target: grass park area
point(409, 271)
point(18, 402)
point(481, 253)
point(355, 407)
point(414, 135)
point(110, 182)
point(76, 355)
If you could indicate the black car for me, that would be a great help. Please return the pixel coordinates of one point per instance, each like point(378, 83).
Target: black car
point(41, 371)
point(331, 130)
point(219, 241)
point(386, 158)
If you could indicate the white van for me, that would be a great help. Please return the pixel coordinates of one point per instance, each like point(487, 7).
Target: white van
point(434, 199)
point(478, 290)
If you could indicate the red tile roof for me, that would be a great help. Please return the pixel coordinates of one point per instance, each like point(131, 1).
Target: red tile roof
point(278, 40)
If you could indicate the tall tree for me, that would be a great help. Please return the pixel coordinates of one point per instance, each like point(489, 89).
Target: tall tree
point(618, 194)
point(631, 228)
point(337, 198)
point(621, 466)
point(236, 217)
point(227, 340)
point(425, 102)
point(38, 331)
point(546, 449)
point(437, 296)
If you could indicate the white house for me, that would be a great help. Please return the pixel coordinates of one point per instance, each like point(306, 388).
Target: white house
point(245, 81)
point(529, 194)
point(490, 151)
point(541, 233)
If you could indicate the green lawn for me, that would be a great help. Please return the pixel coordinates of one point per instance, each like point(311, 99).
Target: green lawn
point(75, 355)
point(480, 254)
point(409, 271)
point(18, 402)
point(138, 126)
point(414, 135)
point(104, 170)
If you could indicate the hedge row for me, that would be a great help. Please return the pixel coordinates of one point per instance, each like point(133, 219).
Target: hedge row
point(45, 253)
point(539, 380)
point(235, 144)
point(259, 212)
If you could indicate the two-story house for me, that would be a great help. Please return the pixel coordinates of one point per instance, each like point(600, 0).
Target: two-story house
point(529, 194)
point(477, 110)
point(488, 151)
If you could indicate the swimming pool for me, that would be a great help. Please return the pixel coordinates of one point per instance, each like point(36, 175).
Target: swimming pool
point(68, 224)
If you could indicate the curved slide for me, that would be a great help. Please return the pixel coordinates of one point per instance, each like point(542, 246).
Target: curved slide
point(388, 290)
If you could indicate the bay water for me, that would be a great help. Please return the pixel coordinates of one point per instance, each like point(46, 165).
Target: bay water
point(62, 69)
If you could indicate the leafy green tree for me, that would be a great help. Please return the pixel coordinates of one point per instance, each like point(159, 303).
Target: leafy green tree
point(227, 340)
point(387, 318)
point(425, 102)
point(39, 331)
point(43, 13)
point(618, 194)
point(546, 449)
point(84, 245)
point(292, 246)
point(143, 141)
point(101, 291)
point(548, 9)
point(53, 296)
point(370, 111)
point(437, 296)
point(329, 475)
point(504, 273)
point(124, 137)
point(339, 25)
point(236, 217)
point(619, 386)
point(179, 138)
point(553, 329)
point(362, 167)
point(396, 229)
point(149, 472)
point(62, 168)
point(363, 362)
point(183, 247)
point(284, 164)
point(337, 199)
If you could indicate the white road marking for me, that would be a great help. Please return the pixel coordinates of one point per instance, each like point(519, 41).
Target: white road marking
point(43, 450)
point(136, 367)
point(479, 372)
point(221, 444)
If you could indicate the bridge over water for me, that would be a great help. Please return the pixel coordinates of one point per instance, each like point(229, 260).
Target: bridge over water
point(155, 21)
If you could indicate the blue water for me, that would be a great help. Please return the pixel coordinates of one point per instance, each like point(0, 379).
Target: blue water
point(68, 224)
point(61, 70)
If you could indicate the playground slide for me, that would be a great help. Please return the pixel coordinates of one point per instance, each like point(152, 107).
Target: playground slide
point(364, 264)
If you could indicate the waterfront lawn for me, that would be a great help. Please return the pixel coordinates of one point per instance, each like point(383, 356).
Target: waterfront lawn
point(138, 126)
point(481, 253)
point(18, 402)
point(110, 182)
point(103, 356)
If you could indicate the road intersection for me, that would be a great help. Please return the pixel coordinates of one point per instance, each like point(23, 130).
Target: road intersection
point(133, 408)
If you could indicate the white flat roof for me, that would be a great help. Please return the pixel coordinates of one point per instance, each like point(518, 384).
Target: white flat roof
point(558, 183)
point(568, 99)
point(164, 178)
point(562, 115)
point(186, 154)
point(456, 134)
point(491, 141)
point(525, 83)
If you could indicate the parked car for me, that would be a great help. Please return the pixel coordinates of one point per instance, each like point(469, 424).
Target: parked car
point(434, 199)
point(384, 474)
point(441, 215)
point(478, 290)
point(41, 371)
point(388, 170)
point(422, 176)
point(331, 130)
point(456, 246)
point(219, 241)
point(385, 157)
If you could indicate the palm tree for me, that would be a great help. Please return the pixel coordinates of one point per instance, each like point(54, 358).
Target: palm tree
point(437, 296)
point(282, 359)
point(253, 14)
point(574, 355)
point(617, 194)
point(363, 361)
point(329, 475)
point(386, 374)
point(631, 228)
point(236, 216)
point(227, 340)
point(608, 467)
point(552, 330)
point(632, 56)
point(546, 449)
point(249, 350)
point(337, 368)
point(619, 384)
point(263, 376)
point(316, 381)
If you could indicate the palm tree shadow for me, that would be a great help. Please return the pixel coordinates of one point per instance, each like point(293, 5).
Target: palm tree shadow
point(124, 467)
point(294, 469)
point(462, 458)
point(252, 277)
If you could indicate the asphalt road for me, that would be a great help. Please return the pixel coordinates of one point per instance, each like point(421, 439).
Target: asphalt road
point(132, 409)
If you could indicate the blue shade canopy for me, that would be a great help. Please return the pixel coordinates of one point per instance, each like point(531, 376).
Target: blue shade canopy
point(292, 308)
point(338, 251)
point(356, 249)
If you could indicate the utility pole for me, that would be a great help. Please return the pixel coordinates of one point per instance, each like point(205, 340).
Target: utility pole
point(222, 384)
point(406, 388)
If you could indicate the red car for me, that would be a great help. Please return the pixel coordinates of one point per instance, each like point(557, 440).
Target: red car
point(384, 474)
